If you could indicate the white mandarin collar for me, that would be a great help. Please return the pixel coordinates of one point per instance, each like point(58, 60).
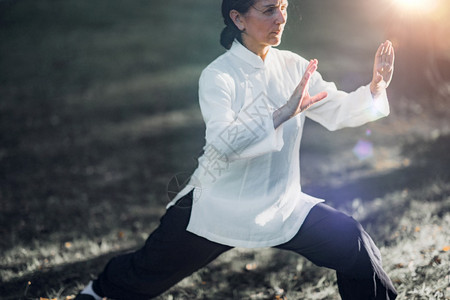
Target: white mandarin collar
point(248, 56)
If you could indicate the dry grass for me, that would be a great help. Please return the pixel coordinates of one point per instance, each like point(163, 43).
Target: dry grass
point(98, 110)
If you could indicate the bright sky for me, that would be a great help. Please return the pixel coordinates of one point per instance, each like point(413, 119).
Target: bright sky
point(417, 6)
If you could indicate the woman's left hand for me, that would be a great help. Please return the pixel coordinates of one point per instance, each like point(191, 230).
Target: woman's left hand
point(383, 68)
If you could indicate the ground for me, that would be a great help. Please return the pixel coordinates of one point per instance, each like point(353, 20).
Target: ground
point(98, 111)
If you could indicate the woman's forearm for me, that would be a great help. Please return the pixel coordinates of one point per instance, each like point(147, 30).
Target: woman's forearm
point(281, 115)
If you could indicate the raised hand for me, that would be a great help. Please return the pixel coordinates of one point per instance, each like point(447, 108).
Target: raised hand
point(383, 68)
point(300, 99)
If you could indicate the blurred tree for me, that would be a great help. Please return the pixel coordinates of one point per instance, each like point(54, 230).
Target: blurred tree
point(421, 37)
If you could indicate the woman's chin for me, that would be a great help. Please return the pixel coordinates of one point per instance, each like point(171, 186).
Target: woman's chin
point(275, 40)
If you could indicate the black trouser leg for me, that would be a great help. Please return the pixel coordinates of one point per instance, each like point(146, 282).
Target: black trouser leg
point(330, 238)
point(170, 254)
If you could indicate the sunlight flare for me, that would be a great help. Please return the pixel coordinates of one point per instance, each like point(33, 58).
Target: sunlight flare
point(417, 6)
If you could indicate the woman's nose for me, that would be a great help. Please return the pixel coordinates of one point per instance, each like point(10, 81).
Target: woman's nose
point(281, 16)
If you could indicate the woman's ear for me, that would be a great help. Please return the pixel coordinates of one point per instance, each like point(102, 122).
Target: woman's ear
point(236, 17)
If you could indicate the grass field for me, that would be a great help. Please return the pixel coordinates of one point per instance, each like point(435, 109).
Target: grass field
point(98, 111)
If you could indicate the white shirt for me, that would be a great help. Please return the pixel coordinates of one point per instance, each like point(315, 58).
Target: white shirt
point(247, 189)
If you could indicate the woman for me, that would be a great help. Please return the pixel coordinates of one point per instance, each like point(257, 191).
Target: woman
point(246, 190)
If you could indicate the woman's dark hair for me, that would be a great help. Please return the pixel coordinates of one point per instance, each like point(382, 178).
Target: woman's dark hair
point(231, 32)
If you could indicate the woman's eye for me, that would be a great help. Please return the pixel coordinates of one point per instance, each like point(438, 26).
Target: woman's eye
point(269, 11)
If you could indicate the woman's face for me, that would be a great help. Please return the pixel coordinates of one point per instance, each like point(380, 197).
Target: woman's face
point(264, 23)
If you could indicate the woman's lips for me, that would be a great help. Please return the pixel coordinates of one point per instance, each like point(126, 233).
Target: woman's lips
point(278, 31)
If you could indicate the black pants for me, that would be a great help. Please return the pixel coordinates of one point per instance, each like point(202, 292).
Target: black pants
point(328, 238)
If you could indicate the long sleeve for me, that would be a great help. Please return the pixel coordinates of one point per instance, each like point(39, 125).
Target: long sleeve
point(235, 133)
point(246, 188)
point(341, 109)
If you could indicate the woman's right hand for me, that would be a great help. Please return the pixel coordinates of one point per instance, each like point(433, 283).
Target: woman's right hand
point(300, 99)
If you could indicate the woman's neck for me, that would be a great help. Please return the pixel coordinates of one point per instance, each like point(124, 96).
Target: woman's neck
point(258, 49)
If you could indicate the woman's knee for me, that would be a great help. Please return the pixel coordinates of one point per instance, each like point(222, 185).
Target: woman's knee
point(356, 257)
point(346, 228)
point(339, 223)
point(348, 245)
